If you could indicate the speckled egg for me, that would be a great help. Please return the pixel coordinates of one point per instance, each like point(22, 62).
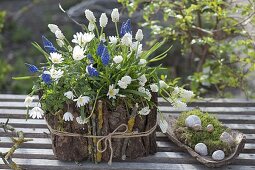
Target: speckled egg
point(201, 149)
point(210, 128)
point(218, 155)
point(192, 120)
point(226, 137)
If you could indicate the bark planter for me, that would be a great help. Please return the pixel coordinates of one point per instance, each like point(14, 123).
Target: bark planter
point(69, 145)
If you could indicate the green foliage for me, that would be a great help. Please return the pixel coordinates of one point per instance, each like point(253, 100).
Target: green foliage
point(210, 139)
point(220, 51)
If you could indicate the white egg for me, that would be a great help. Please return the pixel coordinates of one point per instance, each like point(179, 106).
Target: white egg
point(226, 137)
point(192, 120)
point(201, 149)
point(218, 155)
point(210, 128)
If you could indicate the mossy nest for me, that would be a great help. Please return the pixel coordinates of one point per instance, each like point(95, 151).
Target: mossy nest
point(212, 140)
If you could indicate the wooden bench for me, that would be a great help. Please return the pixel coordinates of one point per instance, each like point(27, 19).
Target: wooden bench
point(37, 154)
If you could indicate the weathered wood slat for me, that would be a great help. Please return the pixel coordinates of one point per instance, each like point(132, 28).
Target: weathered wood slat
point(37, 154)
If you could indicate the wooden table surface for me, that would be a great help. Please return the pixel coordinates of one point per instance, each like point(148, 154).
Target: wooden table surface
point(38, 155)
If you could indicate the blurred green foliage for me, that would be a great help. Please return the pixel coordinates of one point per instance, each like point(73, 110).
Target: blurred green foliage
point(219, 51)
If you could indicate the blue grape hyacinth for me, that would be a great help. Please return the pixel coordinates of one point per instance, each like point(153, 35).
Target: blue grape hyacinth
point(126, 28)
point(46, 78)
point(105, 57)
point(91, 70)
point(48, 45)
point(100, 48)
point(32, 68)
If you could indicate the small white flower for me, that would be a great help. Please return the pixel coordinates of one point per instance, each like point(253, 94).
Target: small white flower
point(103, 20)
point(56, 58)
point(78, 53)
point(82, 39)
point(90, 16)
point(176, 91)
point(142, 80)
point(118, 59)
point(148, 93)
point(145, 111)
point(112, 92)
point(163, 84)
point(82, 100)
point(136, 46)
point(69, 95)
point(122, 84)
point(163, 125)
point(179, 105)
point(141, 89)
point(80, 121)
point(115, 15)
point(60, 42)
point(126, 40)
point(139, 35)
point(154, 87)
point(186, 95)
point(142, 61)
point(59, 35)
point(68, 116)
point(113, 40)
point(56, 74)
point(126, 79)
point(91, 27)
point(53, 28)
point(36, 112)
point(28, 101)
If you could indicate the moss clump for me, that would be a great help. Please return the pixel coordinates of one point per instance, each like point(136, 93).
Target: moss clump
point(211, 139)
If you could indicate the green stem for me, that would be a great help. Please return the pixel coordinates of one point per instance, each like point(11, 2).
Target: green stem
point(117, 31)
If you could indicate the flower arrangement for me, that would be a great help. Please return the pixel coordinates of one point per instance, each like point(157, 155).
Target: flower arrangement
point(93, 69)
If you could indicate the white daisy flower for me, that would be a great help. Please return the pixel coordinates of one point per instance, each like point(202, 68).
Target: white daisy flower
point(115, 15)
point(154, 87)
point(139, 35)
point(142, 61)
point(36, 112)
point(163, 125)
point(82, 100)
point(82, 39)
point(68, 116)
point(53, 28)
point(163, 84)
point(118, 59)
point(56, 58)
point(145, 111)
point(59, 35)
point(90, 16)
point(78, 53)
point(126, 40)
point(56, 74)
point(112, 92)
point(69, 95)
point(142, 80)
point(28, 101)
point(113, 40)
point(103, 20)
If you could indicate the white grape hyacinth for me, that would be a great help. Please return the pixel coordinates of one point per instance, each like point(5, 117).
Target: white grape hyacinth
point(186, 95)
point(82, 100)
point(163, 84)
point(139, 35)
point(163, 125)
point(142, 80)
point(60, 42)
point(103, 20)
point(68, 116)
point(56, 58)
point(59, 35)
point(118, 59)
point(90, 16)
point(127, 79)
point(91, 27)
point(82, 39)
point(144, 111)
point(28, 101)
point(113, 40)
point(124, 82)
point(179, 105)
point(53, 28)
point(154, 87)
point(115, 15)
point(69, 95)
point(127, 40)
point(78, 53)
point(112, 92)
point(36, 112)
point(142, 62)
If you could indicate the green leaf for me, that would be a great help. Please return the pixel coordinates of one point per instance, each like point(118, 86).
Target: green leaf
point(39, 48)
point(135, 92)
point(23, 78)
